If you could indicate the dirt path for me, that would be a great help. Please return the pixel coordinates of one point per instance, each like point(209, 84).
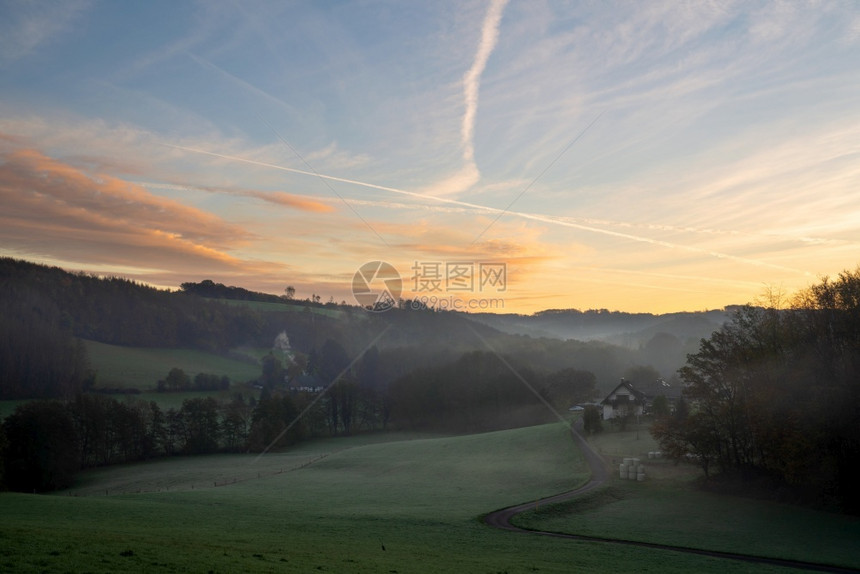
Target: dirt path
point(599, 475)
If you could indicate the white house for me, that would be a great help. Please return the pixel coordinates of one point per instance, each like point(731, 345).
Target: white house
point(623, 400)
point(627, 399)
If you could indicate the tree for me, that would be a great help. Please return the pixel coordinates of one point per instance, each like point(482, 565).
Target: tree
point(42, 450)
point(237, 416)
point(177, 380)
point(201, 426)
point(273, 372)
point(345, 393)
point(568, 387)
point(660, 406)
point(274, 424)
point(3, 446)
point(156, 430)
point(289, 292)
point(683, 436)
point(173, 429)
point(592, 420)
point(775, 391)
point(333, 365)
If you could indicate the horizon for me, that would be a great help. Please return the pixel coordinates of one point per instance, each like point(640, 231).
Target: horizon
point(324, 300)
point(652, 158)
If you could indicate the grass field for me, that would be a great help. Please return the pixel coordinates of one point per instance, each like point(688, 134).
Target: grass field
point(267, 307)
point(141, 368)
point(668, 508)
point(406, 506)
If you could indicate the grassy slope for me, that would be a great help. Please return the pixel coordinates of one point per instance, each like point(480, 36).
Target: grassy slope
point(265, 306)
point(668, 508)
point(420, 499)
point(141, 368)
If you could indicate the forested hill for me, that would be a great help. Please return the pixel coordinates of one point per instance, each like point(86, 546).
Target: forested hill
point(47, 311)
point(212, 290)
point(628, 329)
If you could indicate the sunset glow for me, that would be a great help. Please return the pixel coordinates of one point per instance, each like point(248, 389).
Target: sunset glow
point(645, 157)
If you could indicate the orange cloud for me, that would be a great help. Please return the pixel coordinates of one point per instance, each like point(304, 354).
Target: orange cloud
point(281, 198)
point(290, 200)
point(50, 208)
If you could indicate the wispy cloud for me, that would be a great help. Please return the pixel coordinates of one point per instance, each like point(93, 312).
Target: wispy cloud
point(25, 26)
point(552, 220)
point(281, 198)
point(291, 110)
point(472, 79)
point(469, 174)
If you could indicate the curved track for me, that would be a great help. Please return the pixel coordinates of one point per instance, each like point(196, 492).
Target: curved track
point(599, 475)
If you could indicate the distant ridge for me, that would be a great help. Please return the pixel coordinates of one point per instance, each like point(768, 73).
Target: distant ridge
point(621, 328)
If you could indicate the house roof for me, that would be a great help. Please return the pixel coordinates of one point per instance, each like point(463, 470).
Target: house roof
point(661, 387)
point(636, 393)
point(646, 392)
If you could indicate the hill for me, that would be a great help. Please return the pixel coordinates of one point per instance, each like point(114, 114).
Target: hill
point(628, 329)
point(56, 321)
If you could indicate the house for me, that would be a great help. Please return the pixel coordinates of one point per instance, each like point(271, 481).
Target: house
point(623, 400)
point(629, 399)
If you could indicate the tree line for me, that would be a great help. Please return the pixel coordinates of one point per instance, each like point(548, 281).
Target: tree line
point(775, 394)
point(483, 391)
point(45, 443)
point(177, 380)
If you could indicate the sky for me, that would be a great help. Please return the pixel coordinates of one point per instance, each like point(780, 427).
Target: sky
point(634, 156)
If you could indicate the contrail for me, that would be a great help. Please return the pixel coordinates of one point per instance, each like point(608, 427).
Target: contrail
point(489, 35)
point(472, 79)
point(495, 210)
point(245, 85)
point(529, 186)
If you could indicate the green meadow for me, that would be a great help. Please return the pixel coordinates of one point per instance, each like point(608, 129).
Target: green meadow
point(141, 368)
point(365, 504)
point(669, 508)
point(271, 307)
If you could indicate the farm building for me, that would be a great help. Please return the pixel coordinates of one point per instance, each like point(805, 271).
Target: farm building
point(629, 399)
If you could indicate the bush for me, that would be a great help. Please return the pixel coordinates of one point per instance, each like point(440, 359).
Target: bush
point(42, 450)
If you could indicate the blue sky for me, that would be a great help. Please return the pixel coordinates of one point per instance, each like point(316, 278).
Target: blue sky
point(640, 156)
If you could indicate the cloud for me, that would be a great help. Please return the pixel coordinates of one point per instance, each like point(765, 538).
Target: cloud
point(457, 182)
point(280, 198)
point(336, 158)
point(52, 208)
point(26, 26)
point(552, 220)
point(291, 110)
point(472, 79)
point(469, 175)
point(290, 200)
